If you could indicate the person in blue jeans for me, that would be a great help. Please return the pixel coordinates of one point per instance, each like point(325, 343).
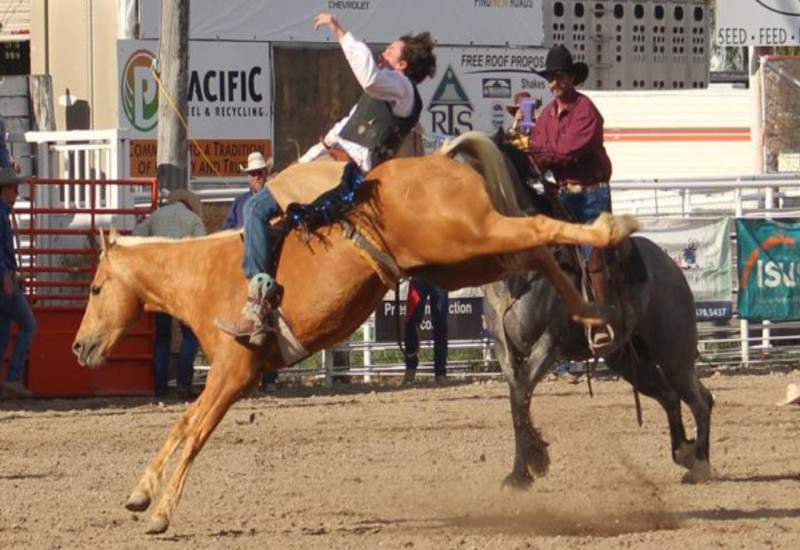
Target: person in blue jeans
point(13, 305)
point(567, 140)
point(180, 218)
point(258, 170)
point(419, 291)
point(161, 354)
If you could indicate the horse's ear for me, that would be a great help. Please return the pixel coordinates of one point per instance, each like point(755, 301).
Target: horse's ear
point(103, 242)
point(113, 235)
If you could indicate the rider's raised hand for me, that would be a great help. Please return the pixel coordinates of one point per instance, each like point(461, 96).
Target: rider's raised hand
point(332, 22)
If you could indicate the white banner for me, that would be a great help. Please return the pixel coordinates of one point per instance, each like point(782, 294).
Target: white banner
point(229, 113)
point(472, 86)
point(758, 22)
point(476, 22)
point(229, 89)
point(701, 249)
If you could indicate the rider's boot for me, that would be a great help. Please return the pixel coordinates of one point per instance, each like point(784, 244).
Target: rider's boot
point(262, 291)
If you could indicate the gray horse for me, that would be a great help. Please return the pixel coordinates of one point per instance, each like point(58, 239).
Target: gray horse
point(656, 351)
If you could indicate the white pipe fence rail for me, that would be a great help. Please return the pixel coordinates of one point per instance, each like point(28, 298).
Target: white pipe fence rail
point(105, 155)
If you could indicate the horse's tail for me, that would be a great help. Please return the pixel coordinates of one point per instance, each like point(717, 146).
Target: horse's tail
point(480, 152)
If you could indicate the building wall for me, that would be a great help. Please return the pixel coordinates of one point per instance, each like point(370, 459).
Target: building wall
point(678, 134)
point(15, 16)
point(75, 42)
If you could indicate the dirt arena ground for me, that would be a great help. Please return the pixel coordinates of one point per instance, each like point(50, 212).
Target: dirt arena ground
point(418, 468)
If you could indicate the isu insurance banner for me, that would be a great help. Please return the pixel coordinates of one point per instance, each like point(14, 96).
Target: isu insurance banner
point(769, 256)
point(701, 249)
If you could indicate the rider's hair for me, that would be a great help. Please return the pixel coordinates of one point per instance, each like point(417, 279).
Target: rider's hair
point(418, 54)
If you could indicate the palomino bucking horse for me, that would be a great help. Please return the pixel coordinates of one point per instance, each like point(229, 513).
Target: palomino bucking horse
point(431, 217)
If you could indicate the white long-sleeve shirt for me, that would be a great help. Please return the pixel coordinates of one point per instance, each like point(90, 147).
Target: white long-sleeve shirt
point(381, 83)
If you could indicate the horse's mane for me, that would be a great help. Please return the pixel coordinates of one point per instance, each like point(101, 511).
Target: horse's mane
point(131, 241)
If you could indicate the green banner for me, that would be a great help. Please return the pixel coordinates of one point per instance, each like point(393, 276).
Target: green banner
point(768, 261)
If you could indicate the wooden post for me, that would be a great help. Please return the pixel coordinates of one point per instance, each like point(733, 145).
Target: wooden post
point(172, 154)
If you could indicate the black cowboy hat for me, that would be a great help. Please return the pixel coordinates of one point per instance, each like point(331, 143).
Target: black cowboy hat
point(560, 60)
point(9, 177)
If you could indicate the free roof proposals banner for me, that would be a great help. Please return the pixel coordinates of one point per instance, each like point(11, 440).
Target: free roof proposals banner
point(769, 260)
point(473, 85)
point(701, 249)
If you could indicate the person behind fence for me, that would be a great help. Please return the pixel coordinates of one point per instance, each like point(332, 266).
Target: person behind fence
point(419, 291)
point(178, 219)
point(514, 110)
point(371, 133)
point(258, 171)
point(13, 305)
point(567, 140)
point(6, 160)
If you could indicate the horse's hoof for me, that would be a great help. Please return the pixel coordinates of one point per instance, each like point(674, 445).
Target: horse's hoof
point(700, 472)
point(158, 524)
point(517, 483)
point(685, 455)
point(138, 501)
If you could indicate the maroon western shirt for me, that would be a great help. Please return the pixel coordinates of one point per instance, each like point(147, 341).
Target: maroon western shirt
point(570, 144)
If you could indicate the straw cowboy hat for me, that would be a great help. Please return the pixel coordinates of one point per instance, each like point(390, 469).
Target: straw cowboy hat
point(560, 60)
point(792, 395)
point(188, 198)
point(511, 108)
point(9, 177)
point(255, 161)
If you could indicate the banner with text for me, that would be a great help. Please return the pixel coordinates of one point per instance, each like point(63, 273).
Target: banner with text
point(473, 85)
point(701, 249)
point(480, 22)
point(208, 158)
point(758, 23)
point(229, 111)
point(464, 320)
point(769, 259)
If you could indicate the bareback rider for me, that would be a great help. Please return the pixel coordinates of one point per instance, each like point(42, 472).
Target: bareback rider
point(567, 140)
point(371, 133)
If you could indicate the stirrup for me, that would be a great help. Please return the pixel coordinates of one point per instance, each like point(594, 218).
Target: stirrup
point(600, 337)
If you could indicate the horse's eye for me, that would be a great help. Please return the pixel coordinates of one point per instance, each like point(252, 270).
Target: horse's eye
point(95, 290)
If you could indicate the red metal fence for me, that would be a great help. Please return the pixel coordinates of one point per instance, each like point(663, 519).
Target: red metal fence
point(58, 253)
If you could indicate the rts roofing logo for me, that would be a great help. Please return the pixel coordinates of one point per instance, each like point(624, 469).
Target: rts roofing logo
point(783, 7)
point(450, 107)
point(138, 91)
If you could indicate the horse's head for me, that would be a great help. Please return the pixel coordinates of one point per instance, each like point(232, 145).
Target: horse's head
point(112, 308)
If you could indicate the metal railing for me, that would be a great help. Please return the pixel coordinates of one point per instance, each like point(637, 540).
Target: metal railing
point(105, 155)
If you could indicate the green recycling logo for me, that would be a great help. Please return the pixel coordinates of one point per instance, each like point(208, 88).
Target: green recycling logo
point(139, 92)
